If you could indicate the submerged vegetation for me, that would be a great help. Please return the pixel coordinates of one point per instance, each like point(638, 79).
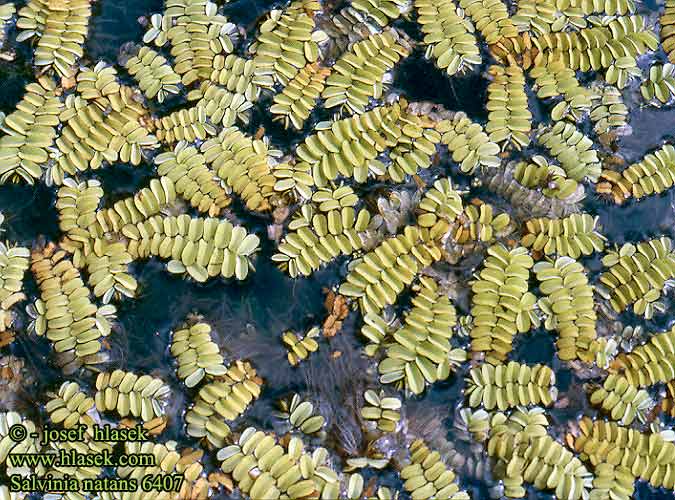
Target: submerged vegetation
point(451, 244)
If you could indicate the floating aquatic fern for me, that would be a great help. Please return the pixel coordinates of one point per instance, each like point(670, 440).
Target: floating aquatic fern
point(426, 476)
point(301, 415)
point(129, 394)
point(571, 236)
point(502, 306)
point(650, 363)
point(10, 446)
point(646, 456)
point(219, 105)
point(568, 305)
point(448, 36)
point(335, 191)
point(350, 147)
point(622, 400)
point(70, 406)
point(357, 76)
point(556, 80)
point(667, 34)
point(65, 313)
point(383, 411)
point(491, 18)
point(608, 111)
point(14, 261)
point(201, 247)
point(299, 347)
point(30, 131)
point(186, 167)
point(615, 481)
point(509, 119)
point(468, 143)
point(418, 353)
point(653, 174)
point(521, 184)
point(510, 385)
point(613, 47)
point(322, 231)
point(167, 462)
point(525, 453)
point(287, 469)
point(287, 42)
point(197, 355)
point(7, 11)
point(93, 134)
point(659, 88)
point(382, 11)
point(637, 274)
point(198, 35)
point(380, 276)
point(550, 178)
point(377, 281)
point(100, 85)
point(183, 125)
point(296, 101)
point(244, 164)
point(155, 77)
point(223, 400)
point(107, 265)
point(479, 222)
point(572, 149)
point(549, 16)
point(61, 28)
point(237, 74)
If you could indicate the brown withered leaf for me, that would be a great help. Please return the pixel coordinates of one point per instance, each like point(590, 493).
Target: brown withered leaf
point(280, 214)
point(6, 338)
point(189, 455)
point(337, 308)
point(68, 82)
point(200, 490)
point(615, 162)
point(369, 490)
point(10, 368)
point(218, 479)
point(608, 139)
point(667, 406)
point(569, 440)
point(154, 427)
point(128, 423)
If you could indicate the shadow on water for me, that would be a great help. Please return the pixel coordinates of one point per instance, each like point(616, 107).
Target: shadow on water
point(29, 213)
point(420, 80)
point(654, 215)
point(251, 315)
point(115, 23)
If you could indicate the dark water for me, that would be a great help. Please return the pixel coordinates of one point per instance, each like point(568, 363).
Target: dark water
point(249, 317)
